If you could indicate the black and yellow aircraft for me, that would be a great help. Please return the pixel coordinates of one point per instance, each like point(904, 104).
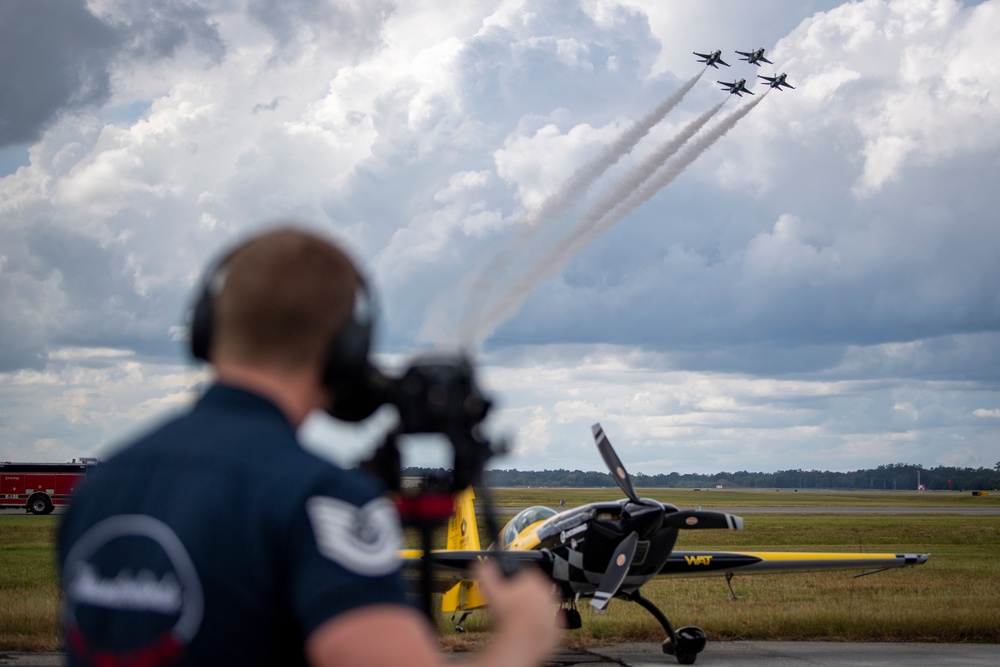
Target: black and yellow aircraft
point(608, 550)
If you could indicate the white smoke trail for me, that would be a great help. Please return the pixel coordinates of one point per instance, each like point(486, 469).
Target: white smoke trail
point(555, 205)
point(584, 177)
point(632, 193)
point(673, 170)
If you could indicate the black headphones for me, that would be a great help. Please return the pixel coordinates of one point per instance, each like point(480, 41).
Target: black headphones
point(348, 373)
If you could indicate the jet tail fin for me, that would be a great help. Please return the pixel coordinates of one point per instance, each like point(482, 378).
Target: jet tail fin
point(463, 535)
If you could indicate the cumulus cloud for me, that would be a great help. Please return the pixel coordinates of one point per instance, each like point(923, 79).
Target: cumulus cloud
point(63, 58)
point(821, 278)
point(38, 80)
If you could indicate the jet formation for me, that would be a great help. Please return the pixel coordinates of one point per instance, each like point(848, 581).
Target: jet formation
point(714, 59)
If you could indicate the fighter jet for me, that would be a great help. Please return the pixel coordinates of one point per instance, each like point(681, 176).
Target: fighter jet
point(736, 87)
point(755, 57)
point(713, 59)
point(776, 81)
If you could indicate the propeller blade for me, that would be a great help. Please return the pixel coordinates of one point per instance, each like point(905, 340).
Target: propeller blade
point(615, 574)
point(703, 519)
point(614, 463)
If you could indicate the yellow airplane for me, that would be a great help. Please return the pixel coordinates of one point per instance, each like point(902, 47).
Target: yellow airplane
point(609, 550)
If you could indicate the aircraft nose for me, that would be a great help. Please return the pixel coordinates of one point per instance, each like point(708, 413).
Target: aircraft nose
point(644, 519)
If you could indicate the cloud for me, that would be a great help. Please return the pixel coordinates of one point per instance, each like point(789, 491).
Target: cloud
point(51, 60)
point(829, 264)
point(87, 404)
point(64, 60)
point(829, 259)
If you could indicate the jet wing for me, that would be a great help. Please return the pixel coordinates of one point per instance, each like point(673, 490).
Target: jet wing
point(706, 563)
point(765, 60)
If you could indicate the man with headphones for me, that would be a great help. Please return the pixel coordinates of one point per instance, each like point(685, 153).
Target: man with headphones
point(216, 539)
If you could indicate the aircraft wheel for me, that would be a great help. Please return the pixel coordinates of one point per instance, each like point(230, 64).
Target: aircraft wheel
point(690, 642)
point(569, 619)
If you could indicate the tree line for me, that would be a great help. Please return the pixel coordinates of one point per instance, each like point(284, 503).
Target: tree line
point(894, 476)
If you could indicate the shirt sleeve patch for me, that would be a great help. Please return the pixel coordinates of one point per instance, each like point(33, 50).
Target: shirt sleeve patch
point(365, 540)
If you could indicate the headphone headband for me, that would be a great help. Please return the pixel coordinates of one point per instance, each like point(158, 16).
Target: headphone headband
point(347, 371)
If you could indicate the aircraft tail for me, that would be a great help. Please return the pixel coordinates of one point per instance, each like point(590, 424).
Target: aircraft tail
point(463, 535)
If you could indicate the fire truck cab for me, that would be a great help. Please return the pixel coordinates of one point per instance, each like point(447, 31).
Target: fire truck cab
point(40, 487)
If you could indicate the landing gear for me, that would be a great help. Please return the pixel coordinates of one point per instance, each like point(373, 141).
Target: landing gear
point(461, 619)
point(729, 582)
point(568, 617)
point(690, 642)
point(684, 644)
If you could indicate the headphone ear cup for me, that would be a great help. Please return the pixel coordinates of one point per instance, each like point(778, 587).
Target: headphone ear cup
point(202, 315)
point(356, 384)
point(348, 356)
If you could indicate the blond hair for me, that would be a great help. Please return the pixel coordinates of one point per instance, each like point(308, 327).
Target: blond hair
point(284, 296)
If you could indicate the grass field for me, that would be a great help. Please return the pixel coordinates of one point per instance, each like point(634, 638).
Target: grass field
point(29, 596)
point(954, 597)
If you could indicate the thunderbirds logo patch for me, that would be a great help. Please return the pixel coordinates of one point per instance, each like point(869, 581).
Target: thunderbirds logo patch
point(131, 572)
point(365, 540)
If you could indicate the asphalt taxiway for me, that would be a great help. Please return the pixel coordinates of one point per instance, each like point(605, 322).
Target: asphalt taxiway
point(722, 654)
point(789, 654)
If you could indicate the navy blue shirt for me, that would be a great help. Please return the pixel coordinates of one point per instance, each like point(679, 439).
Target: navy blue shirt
point(217, 539)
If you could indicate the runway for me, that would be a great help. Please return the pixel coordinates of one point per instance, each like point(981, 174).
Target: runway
point(973, 511)
point(721, 654)
point(505, 513)
point(789, 654)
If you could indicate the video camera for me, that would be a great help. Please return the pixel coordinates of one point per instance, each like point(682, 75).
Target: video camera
point(435, 394)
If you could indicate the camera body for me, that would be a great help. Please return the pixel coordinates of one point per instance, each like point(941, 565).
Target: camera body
point(436, 394)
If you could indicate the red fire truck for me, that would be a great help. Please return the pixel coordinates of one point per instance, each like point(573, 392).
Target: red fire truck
point(40, 487)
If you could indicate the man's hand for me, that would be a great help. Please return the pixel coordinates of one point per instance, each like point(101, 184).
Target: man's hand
point(523, 608)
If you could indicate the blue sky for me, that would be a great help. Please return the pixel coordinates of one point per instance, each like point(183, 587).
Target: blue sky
point(816, 286)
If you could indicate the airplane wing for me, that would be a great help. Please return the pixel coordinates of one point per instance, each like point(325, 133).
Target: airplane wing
point(722, 62)
point(707, 563)
point(452, 567)
point(744, 53)
point(765, 60)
